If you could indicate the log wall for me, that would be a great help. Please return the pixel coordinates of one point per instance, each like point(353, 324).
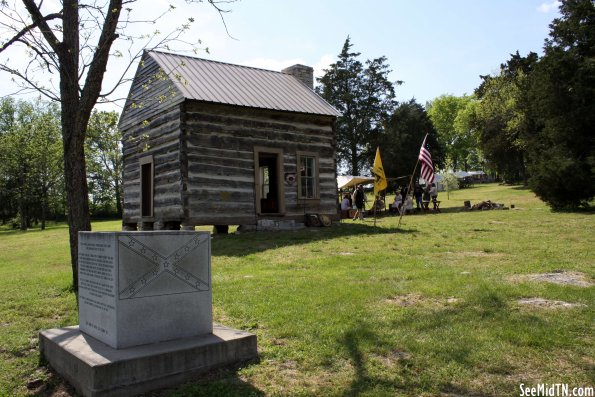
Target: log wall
point(159, 138)
point(150, 93)
point(219, 142)
point(203, 157)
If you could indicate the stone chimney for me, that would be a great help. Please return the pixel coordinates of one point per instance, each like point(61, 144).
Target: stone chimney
point(303, 73)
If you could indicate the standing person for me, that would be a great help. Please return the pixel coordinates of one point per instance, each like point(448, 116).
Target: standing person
point(359, 199)
point(418, 193)
point(434, 194)
point(425, 197)
point(404, 192)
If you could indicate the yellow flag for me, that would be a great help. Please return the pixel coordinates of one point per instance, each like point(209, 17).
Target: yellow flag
point(378, 171)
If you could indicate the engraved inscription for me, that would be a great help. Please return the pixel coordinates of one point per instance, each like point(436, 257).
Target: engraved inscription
point(96, 277)
point(97, 327)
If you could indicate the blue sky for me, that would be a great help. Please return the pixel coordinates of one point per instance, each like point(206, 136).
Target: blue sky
point(435, 46)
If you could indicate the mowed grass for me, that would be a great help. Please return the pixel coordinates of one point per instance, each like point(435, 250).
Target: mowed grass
point(430, 308)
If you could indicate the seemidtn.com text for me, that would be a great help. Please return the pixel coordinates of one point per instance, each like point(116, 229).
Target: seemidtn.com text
point(556, 390)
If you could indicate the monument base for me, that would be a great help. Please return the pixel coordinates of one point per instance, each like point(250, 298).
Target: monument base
point(94, 369)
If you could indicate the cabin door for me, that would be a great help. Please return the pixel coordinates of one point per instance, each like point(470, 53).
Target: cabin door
point(268, 164)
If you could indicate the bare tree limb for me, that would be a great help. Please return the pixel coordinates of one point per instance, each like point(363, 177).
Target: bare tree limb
point(98, 65)
point(27, 29)
point(39, 21)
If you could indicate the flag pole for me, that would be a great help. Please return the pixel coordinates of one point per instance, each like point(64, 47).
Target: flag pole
point(379, 179)
point(409, 187)
point(408, 191)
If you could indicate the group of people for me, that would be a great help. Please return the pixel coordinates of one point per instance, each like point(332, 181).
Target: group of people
point(403, 203)
point(355, 200)
point(423, 194)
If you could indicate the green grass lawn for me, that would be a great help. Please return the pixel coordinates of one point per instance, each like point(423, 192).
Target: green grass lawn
point(428, 309)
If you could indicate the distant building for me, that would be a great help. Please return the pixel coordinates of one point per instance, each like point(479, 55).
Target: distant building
point(210, 143)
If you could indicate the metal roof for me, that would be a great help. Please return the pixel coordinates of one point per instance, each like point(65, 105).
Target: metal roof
point(225, 83)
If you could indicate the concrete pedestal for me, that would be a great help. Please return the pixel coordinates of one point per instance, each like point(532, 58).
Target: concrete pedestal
point(96, 369)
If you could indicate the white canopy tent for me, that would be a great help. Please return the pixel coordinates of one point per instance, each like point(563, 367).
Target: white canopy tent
point(346, 181)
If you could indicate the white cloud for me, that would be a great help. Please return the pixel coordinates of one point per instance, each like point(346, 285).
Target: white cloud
point(279, 64)
point(323, 63)
point(547, 7)
point(273, 64)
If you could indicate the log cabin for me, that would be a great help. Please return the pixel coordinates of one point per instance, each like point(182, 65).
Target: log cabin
point(212, 143)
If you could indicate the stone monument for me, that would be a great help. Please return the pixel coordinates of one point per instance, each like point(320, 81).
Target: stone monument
point(145, 315)
point(164, 295)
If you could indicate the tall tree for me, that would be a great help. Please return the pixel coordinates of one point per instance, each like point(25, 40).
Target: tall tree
point(16, 165)
point(503, 119)
point(73, 39)
point(47, 151)
point(30, 141)
point(562, 96)
point(405, 132)
point(443, 112)
point(465, 125)
point(365, 96)
point(104, 162)
point(7, 123)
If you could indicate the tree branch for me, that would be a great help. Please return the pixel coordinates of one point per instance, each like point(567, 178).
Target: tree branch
point(220, 10)
point(97, 68)
point(32, 85)
point(27, 29)
point(40, 21)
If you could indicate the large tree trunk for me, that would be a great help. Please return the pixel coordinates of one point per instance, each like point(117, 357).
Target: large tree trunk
point(76, 189)
point(44, 205)
point(523, 169)
point(354, 161)
point(73, 135)
point(21, 197)
point(22, 212)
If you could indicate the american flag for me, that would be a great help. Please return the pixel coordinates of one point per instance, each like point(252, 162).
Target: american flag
point(427, 168)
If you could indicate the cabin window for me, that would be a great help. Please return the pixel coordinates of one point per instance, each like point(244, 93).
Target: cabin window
point(308, 183)
point(146, 186)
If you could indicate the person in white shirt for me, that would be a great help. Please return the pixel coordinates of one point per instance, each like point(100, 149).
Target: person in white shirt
point(346, 203)
point(396, 205)
point(407, 206)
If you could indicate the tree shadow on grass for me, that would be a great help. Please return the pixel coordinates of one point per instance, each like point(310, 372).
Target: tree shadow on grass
point(355, 341)
point(409, 373)
point(590, 210)
point(521, 187)
point(446, 210)
point(403, 377)
point(254, 242)
point(6, 231)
